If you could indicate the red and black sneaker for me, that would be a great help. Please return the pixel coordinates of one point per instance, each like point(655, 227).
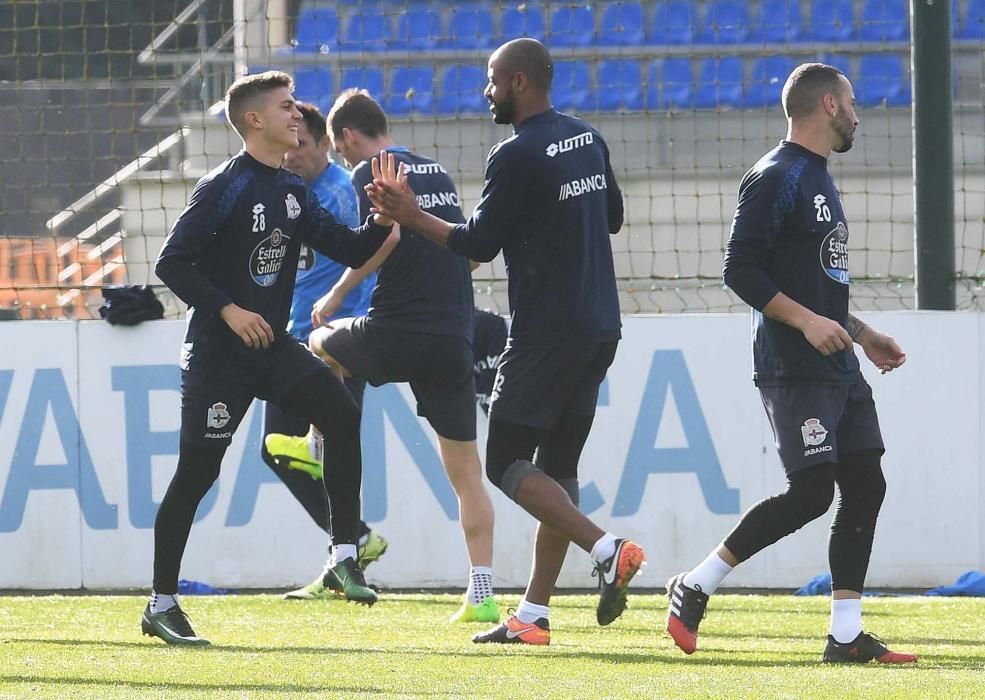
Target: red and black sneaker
point(864, 648)
point(687, 609)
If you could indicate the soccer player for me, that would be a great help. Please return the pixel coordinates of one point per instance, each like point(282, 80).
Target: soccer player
point(232, 256)
point(418, 330)
point(332, 185)
point(550, 202)
point(787, 257)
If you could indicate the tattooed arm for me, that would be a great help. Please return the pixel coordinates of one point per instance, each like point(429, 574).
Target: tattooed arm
point(880, 348)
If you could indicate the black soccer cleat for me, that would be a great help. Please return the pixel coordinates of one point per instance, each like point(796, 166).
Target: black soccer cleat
point(864, 648)
point(348, 580)
point(172, 626)
point(687, 609)
point(614, 574)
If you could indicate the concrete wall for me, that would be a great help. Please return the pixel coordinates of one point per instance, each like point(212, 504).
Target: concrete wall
point(88, 442)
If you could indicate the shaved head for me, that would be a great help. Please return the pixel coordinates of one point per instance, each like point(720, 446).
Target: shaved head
point(527, 56)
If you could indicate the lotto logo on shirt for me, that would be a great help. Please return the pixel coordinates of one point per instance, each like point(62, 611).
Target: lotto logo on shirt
point(834, 254)
point(268, 257)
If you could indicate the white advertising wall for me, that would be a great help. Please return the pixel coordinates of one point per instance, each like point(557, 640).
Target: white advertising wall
point(681, 447)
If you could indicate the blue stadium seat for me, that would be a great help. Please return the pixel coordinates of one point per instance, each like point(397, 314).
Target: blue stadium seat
point(471, 27)
point(777, 21)
point(461, 90)
point(622, 24)
point(620, 85)
point(572, 26)
point(841, 62)
point(973, 23)
point(719, 83)
point(674, 22)
point(833, 20)
point(317, 27)
point(726, 22)
point(418, 28)
point(885, 20)
point(523, 19)
point(367, 29)
point(314, 85)
point(768, 76)
point(571, 87)
point(881, 80)
point(671, 85)
point(366, 78)
point(411, 90)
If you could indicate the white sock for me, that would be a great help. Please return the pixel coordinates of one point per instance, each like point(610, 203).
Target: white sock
point(341, 552)
point(159, 602)
point(604, 548)
point(708, 575)
point(846, 619)
point(480, 584)
point(531, 612)
point(316, 444)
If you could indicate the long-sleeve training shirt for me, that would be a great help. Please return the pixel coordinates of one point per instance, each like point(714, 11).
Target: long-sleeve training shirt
point(789, 235)
point(238, 241)
point(550, 202)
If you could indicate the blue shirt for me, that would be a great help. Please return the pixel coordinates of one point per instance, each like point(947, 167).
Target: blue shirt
point(238, 241)
point(422, 287)
point(318, 273)
point(550, 202)
point(789, 235)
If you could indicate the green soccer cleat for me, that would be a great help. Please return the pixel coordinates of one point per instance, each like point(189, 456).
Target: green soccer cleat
point(294, 451)
point(486, 611)
point(347, 579)
point(172, 626)
point(372, 550)
point(315, 590)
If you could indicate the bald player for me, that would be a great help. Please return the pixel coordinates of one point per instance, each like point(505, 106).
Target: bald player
point(549, 203)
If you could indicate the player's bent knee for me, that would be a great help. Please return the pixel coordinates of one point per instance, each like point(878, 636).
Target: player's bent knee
point(508, 479)
point(813, 496)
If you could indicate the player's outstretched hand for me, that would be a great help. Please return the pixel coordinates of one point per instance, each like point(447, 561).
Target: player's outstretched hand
point(389, 191)
point(250, 327)
point(827, 336)
point(882, 350)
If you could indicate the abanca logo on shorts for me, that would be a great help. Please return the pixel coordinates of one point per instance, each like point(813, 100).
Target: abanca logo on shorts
point(268, 257)
point(814, 435)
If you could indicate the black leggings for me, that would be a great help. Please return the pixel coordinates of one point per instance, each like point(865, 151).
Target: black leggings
point(558, 448)
point(309, 493)
point(809, 493)
point(326, 403)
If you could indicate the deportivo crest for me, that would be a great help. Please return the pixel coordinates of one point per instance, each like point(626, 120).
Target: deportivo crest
point(293, 208)
point(834, 254)
point(218, 415)
point(814, 433)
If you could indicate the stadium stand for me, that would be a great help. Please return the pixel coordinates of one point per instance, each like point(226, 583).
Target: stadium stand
point(623, 36)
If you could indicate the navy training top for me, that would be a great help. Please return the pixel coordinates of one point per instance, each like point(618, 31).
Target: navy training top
point(317, 273)
point(549, 202)
point(421, 287)
point(789, 235)
point(238, 241)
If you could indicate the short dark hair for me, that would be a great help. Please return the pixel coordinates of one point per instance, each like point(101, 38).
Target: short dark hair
point(244, 92)
point(530, 57)
point(805, 87)
point(355, 109)
point(313, 119)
